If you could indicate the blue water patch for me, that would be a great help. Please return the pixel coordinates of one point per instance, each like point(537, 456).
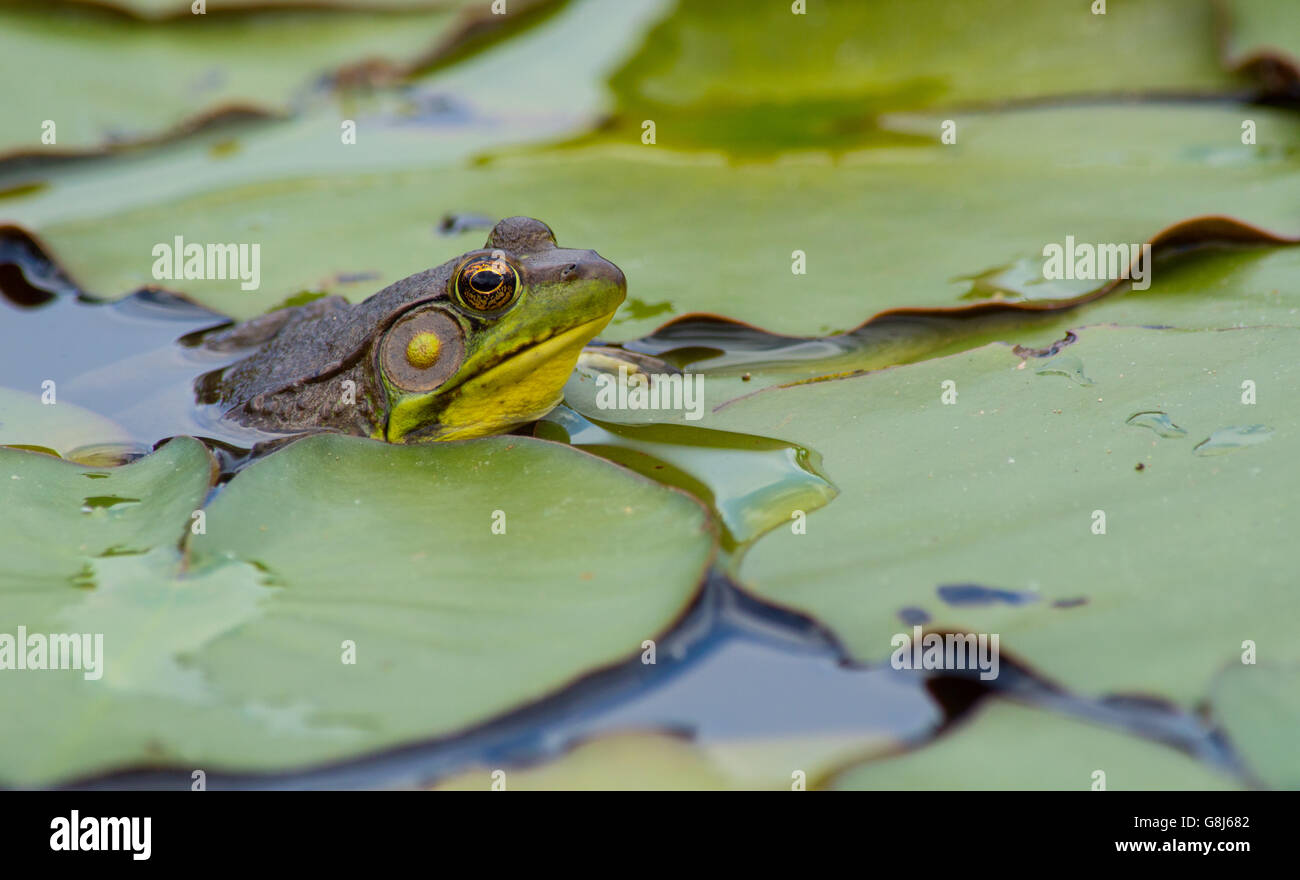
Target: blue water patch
point(913, 616)
point(974, 594)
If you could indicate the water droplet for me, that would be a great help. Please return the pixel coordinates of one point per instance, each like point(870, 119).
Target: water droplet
point(1156, 421)
point(1066, 365)
point(1235, 437)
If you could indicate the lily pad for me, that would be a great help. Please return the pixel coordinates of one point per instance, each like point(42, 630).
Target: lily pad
point(1015, 182)
point(1211, 286)
point(1010, 486)
point(442, 117)
point(754, 78)
point(1008, 747)
point(1259, 707)
point(1214, 288)
point(236, 655)
point(171, 75)
point(48, 530)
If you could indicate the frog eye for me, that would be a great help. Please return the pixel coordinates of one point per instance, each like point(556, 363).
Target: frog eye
point(422, 350)
point(487, 284)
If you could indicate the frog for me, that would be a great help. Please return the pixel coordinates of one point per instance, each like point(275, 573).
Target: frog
point(477, 346)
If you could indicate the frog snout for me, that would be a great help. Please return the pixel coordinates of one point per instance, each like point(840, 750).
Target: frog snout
point(596, 268)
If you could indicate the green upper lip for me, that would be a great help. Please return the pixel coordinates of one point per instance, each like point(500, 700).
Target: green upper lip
point(533, 343)
point(525, 346)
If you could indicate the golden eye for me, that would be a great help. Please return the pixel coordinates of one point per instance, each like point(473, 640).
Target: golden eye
point(487, 285)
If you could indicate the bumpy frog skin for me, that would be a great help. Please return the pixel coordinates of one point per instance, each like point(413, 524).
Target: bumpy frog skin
point(476, 346)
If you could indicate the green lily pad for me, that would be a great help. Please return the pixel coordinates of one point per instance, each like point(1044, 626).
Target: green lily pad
point(170, 75)
point(1211, 289)
point(1015, 181)
point(1004, 488)
point(1259, 707)
point(753, 78)
point(234, 656)
point(442, 118)
point(1008, 747)
point(49, 530)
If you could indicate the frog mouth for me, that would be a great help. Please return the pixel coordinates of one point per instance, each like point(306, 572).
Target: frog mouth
point(537, 353)
point(521, 387)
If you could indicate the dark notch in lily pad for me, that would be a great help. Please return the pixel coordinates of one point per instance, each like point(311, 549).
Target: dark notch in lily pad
point(974, 594)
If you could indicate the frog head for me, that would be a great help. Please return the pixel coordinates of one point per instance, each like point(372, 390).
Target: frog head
point(476, 346)
point(495, 350)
